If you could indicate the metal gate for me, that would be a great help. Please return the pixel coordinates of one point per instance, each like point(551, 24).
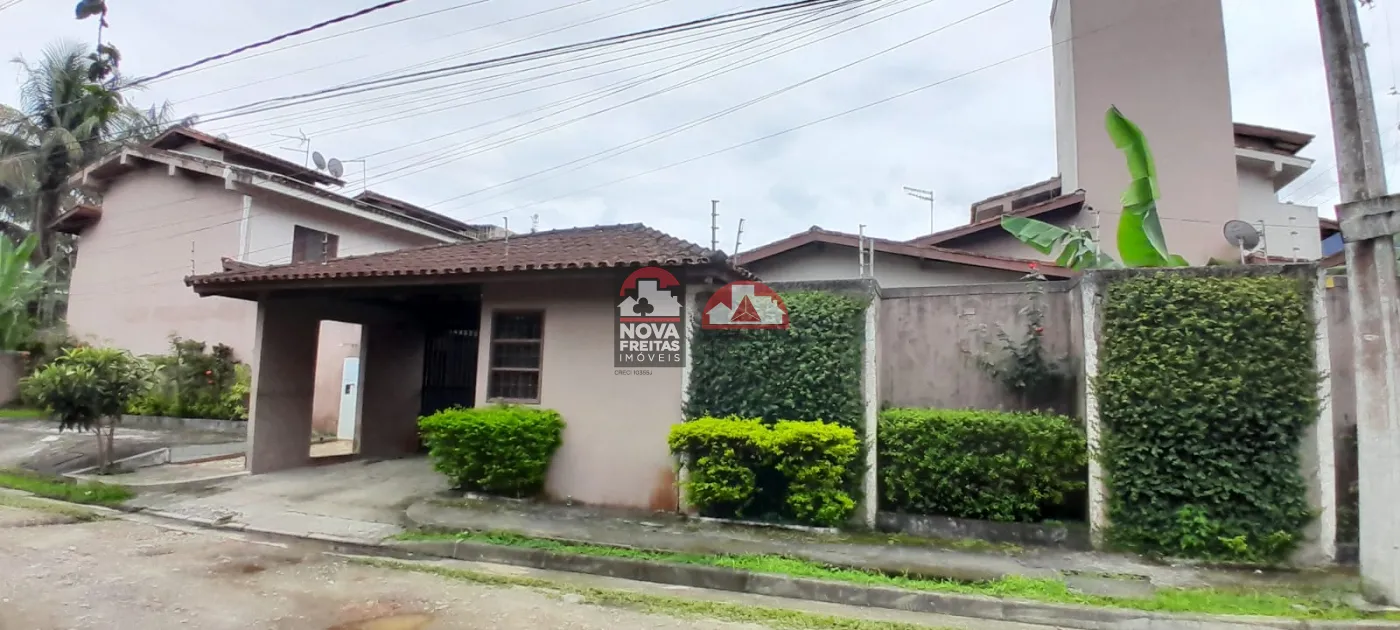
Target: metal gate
point(449, 369)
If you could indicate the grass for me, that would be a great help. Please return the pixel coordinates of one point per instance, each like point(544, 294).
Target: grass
point(22, 414)
point(1214, 601)
point(61, 509)
point(88, 492)
point(778, 618)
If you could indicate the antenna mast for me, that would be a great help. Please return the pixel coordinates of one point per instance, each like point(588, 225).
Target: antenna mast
point(714, 224)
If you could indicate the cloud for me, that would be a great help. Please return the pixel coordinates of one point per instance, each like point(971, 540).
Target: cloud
point(446, 142)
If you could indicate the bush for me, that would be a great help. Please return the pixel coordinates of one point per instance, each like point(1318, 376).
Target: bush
point(194, 381)
point(502, 449)
point(987, 465)
point(802, 467)
point(1205, 387)
point(811, 370)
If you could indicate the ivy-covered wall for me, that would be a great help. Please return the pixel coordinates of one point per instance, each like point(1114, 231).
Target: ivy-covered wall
point(811, 371)
point(1207, 382)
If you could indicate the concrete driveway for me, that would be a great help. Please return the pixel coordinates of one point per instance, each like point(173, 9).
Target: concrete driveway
point(361, 500)
point(38, 445)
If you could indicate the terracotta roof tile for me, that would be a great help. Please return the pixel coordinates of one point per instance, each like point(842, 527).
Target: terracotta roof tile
point(626, 245)
point(929, 252)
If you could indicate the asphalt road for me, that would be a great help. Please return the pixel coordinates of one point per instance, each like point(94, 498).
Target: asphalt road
point(147, 575)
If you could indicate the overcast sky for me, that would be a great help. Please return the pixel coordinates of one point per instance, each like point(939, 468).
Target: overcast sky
point(442, 144)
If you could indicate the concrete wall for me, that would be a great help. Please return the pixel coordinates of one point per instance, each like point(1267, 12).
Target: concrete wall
point(1342, 377)
point(1142, 56)
point(813, 263)
point(614, 450)
point(128, 284)
point(930, 340)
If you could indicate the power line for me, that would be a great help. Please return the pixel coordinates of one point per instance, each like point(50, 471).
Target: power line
point(271, 40)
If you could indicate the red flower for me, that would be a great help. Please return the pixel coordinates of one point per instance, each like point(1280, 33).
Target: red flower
point(1039, 329)
point(208, 372)
point(1034, 266)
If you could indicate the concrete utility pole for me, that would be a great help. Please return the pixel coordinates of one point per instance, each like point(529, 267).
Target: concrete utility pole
point(714, 225)
point(1369, 220)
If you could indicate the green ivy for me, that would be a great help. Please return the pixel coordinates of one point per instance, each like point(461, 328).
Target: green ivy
point(991, 465)
point(729, 459)
point(811, 371)
point(1206, 385)
point(501, 449)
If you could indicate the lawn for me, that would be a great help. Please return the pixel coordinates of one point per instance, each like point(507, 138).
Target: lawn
point(21, 414)
point(88, 492)
point(1215, 601)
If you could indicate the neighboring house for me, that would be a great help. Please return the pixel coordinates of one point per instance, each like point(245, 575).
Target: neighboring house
point(818, 254)
point(545, 307)
point(188, 203)
point(1266, 161)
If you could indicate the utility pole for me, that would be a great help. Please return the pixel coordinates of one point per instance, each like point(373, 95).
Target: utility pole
point(714, 225)
point(1369, 219)
point(930, 197)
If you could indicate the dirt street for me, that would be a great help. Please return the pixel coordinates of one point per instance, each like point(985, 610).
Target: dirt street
point(120, 575)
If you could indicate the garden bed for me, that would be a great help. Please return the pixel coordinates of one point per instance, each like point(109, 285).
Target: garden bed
point(1063, 535)
point(166, 423)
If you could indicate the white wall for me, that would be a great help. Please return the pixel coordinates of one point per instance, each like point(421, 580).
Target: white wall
point(1286, 226)
point(836, 262)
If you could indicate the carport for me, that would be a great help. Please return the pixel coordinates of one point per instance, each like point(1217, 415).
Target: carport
point(528, 319)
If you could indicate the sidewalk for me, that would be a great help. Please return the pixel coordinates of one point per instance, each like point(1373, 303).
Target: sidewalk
point(867, 551)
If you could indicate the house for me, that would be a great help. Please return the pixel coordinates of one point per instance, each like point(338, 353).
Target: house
point(818, 254)
point(545, 308)
point(190, 203)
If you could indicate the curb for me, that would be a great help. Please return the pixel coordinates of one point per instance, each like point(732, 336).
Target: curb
point(972, 606)
point(739, 581)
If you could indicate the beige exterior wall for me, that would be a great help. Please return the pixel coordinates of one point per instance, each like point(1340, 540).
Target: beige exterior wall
point(1143, 55)
point(836, 262)
point(128, 285)
point(614, 450)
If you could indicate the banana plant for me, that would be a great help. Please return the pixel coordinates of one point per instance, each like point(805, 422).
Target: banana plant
point(1140, 239)
point(20, 284)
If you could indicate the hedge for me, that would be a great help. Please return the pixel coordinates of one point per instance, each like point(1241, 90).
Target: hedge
point(501, 449)
point(742, 468)
point(812, 370)
point(988, 465)
point(1206, 385)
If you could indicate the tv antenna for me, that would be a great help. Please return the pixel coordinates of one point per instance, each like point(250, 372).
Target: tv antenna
point(926, 195)
point(1241, 235)
point(335, 167)
point(303, 145)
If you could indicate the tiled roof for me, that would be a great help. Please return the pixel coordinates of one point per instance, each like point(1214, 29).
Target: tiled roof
point(628, 245)
point(1073, 201)
point(941, 254)
point(176, 137)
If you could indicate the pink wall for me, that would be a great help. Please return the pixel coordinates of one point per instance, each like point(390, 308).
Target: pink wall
point(1164, 65)
point(128, 283)
point(614, 450)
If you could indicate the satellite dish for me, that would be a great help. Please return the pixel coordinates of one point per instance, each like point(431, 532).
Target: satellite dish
point(318, 159)
point(1241, 234)
point(335, 168)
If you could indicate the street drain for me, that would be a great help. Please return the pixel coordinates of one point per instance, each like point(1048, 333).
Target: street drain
point(411, 621)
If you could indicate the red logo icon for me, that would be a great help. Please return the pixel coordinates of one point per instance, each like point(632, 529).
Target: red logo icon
point(745, 305)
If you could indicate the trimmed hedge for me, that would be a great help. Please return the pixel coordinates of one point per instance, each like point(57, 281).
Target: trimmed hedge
point(502, 449)
point(734, 462)
point(1206, 385)
point(988, 465)
point(811, 370)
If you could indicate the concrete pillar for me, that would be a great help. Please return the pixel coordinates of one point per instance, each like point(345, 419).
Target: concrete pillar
point(695, 296)
point(1318, 454)
point(284, 383)
point(1098, 491)
point(391, 390)
point(870, 390)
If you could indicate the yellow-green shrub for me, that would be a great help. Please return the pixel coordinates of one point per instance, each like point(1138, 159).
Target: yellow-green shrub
point(502, 449)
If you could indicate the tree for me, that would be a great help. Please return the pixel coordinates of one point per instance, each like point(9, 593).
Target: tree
point(1140, 239)
point(88, 389)
point(21, 283)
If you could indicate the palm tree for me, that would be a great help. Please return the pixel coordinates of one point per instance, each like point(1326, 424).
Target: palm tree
point(71, 112)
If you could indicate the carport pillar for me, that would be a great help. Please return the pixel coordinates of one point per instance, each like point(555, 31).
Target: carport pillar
point(391, 390)
point(284, 382)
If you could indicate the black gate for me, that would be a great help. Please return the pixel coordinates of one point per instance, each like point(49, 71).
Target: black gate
point(449, 369)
